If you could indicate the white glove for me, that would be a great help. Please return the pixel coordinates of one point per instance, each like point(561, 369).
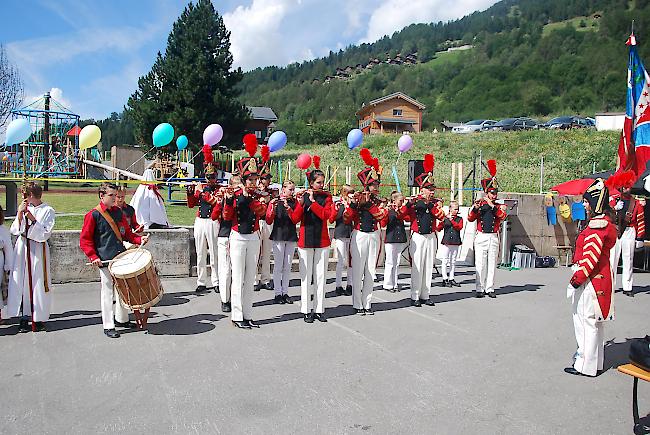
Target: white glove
point(619, 205)
point(638, 244)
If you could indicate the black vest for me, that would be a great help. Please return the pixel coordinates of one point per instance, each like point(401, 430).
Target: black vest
point(488, 216)
point(284, 230)
point(245, 216)
point(451, 236)
point(424, 217)
point(224, 228)
point(107, 245)
point(205, 208)
point(395, 231)
point(341, 230)
point(313, 224)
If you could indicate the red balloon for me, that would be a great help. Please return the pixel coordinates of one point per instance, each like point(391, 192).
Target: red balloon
point(303, 161)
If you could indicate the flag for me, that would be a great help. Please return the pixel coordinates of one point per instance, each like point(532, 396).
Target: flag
point(634, 145)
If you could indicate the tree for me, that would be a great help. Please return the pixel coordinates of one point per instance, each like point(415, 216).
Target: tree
point(11, 88)
point(193, 84)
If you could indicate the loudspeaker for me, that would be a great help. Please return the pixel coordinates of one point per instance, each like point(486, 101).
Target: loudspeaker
point(416, 167)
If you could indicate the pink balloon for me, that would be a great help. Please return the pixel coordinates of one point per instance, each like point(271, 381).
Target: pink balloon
point(303, 161)
point(404, 143)
point(212, 134)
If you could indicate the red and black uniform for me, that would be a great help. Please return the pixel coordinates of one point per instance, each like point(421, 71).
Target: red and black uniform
point(452, 229)
point(98, 240)
point(283, 220)
point(129, 212)
point(366, 218)
point(313, 218)
point(244, 213)
point(488, 219)
point(205, 235)
point(394, 242)
point(423, 215)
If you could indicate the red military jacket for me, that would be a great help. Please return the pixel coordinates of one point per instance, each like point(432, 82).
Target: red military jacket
point(313, 218)
point(244, 212)
point(423, 215)
point(489, 218)
point(635, 218)
point(592, 261)
point(366, 220)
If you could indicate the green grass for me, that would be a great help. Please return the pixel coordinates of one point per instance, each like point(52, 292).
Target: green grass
point(591, 25)
point(444, 57)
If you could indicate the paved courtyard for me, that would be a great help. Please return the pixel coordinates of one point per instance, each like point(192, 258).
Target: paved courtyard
point(465, 366)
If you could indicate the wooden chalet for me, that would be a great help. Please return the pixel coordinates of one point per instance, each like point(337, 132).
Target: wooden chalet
point(394, 113)
point(262, 122)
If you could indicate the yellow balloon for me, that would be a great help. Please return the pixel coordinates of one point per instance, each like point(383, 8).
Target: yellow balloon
point(89, 136)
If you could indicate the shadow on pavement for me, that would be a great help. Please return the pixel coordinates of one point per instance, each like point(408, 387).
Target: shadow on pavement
point(178, 298)
point(191, 325)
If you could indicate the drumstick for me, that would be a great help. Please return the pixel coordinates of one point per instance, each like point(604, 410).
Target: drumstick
point(103, 261)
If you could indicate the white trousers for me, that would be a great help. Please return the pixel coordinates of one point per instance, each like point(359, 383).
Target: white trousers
point(225, 270)
point(590, 334)
point(243, 257)
point(112, 308)
point(423, 254)
point(264, 268)
point(391, 264)
point(364, 249)
point(449, 255)
point(205, 240)
point(342, 247)
point(486, 251)
point(625, 247)
point(282, 257)
point(313, 265)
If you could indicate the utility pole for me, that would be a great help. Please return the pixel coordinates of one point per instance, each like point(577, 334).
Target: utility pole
point(46, 141)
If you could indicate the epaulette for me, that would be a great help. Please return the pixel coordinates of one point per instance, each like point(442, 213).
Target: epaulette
point(598, 223)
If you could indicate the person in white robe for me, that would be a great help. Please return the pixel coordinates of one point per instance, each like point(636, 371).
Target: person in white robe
point(149, 205)
point(6, 264)
point(30, 286)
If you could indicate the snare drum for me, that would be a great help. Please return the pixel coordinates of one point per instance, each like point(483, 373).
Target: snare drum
point(136, 279)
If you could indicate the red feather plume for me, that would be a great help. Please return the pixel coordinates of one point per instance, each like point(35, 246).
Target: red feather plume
point(621, 179)
point(429, 162)
point(375, 164)
point(316, 160)
point(207, 154)
point(250, 144)
point(366, 156)
point(492, 167)
point(266, 153)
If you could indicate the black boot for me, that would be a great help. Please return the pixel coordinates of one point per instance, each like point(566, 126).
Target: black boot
point(23, 326)
point(287, 299)
point(320, 317)
point(416, 303)
point(309, 318)
point(278, 299)
point(225, 307)
point(348, 290)
point(340, 291)
point(201, 289)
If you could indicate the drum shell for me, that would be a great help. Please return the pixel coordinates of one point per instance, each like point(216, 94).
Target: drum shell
point(139, 289)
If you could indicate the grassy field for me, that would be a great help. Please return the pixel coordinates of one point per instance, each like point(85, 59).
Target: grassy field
point(591, 24)
point(567, 155)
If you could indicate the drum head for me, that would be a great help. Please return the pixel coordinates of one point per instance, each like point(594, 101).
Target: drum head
point(130, 261)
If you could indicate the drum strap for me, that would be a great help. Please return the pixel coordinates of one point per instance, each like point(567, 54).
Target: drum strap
point(110, 221)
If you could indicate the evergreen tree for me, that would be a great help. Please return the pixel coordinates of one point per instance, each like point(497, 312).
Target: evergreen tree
point(193, 84)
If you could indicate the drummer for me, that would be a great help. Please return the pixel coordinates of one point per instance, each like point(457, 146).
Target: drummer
point(104, 229)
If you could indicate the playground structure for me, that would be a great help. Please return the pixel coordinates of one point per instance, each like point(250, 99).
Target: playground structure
point(53, 148)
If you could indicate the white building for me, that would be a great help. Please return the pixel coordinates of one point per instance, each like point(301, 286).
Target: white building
point(610, 121)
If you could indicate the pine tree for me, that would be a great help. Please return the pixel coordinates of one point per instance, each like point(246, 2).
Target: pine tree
point(193, 84)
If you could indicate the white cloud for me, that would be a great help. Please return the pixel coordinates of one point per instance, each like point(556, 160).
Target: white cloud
point(55, 93)
point(256, 32)
point(393, 15)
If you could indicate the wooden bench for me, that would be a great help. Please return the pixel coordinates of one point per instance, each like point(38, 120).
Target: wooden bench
point(564, 250)
point(637, 373)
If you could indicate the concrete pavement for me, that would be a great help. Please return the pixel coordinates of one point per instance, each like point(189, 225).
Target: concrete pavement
point(465, 366)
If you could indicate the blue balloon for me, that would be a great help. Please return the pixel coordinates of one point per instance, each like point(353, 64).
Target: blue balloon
point(163, 134)
point(18, 131)
point(277, 140)
point(355, 138)
point(181, 142)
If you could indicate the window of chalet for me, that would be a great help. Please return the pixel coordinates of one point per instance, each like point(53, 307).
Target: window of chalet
point(397, 112)
point(258, 134)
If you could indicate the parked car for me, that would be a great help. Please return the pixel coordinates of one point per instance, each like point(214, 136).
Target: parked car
point(473, 126)
point(567, 122)
point(508, 124)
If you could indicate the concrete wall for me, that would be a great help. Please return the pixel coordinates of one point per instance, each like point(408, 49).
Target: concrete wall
point(170, 250)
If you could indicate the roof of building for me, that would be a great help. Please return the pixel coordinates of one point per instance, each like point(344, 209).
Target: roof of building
point(394, 95)
point(262, 113)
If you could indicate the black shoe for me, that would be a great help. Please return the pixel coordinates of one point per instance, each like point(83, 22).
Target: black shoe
point(573, 371)
point(454, 283)
point(111, 333)
point(480, 294)
point(445, 283)
point(309, 318)
point(251, 323)
point(209, 289)
point(225, 307)
point(492, 295)
point(216, 288)
point(340, 291)
point(241, 324)
point(416, 303)
point(278, 299)
point(320, 317)
point(201, 289)
point(257, 287)
point(24, 326)
point(126, 324)
point(360, 311)
point(348, 290)
point(269, 285)
point(369, 312)
point(287, 299)
point(39, 326)
point(629, 293)
point(428, 302)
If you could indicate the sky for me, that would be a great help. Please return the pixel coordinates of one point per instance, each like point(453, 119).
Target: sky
point(90, 53)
